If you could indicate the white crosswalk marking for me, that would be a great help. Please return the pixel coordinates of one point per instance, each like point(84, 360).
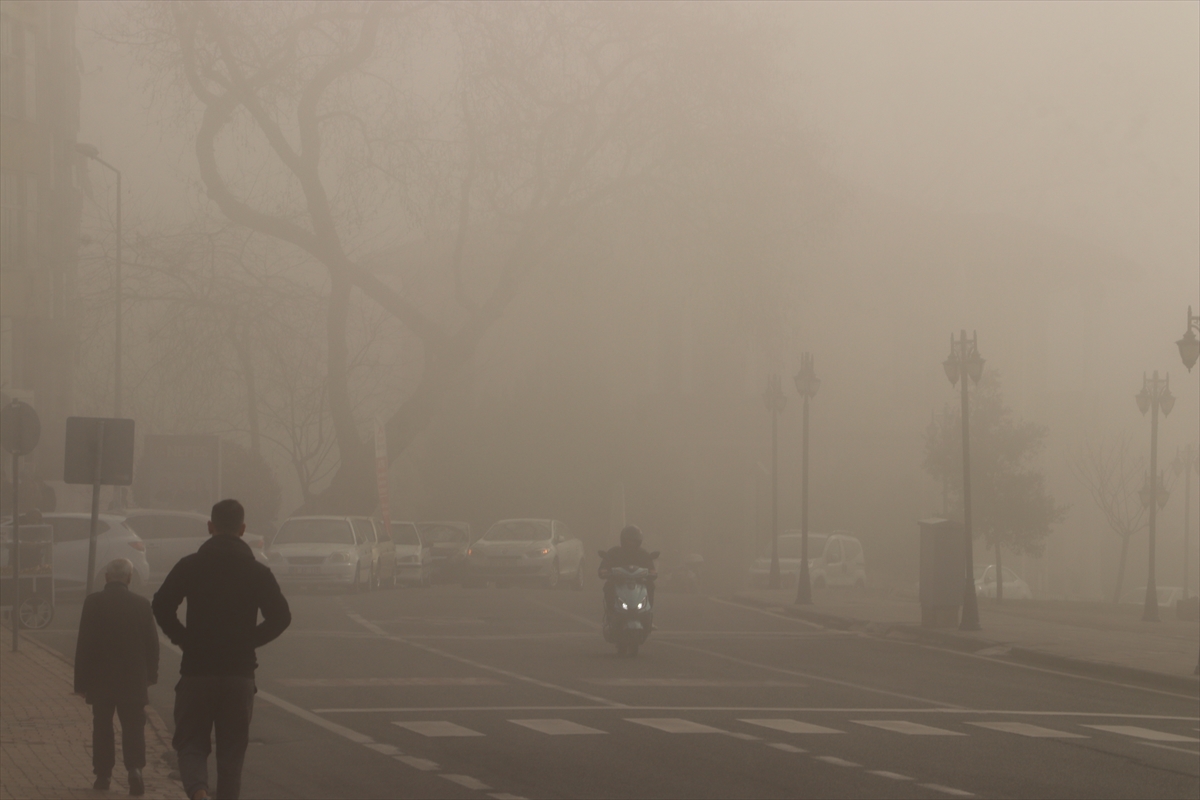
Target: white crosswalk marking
point(787, 748)
point(437, 728)
point(907, 728)
point(1025, 729)
point(894, 776)
point(555, 727)
point(937, 787)
point(1143, 733)
point(840, 762)
point(790, 726)
point(674, 725)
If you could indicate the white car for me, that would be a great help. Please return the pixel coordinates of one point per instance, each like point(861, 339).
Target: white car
point(321, 551)
point(834, 559)
point(518, 550)
point(414, 561)
point(1168, 596)
point(113, 540)
point(171, 535)
point(1014, 587)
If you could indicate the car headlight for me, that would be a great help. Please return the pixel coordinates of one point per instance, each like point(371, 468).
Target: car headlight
point(339, 558)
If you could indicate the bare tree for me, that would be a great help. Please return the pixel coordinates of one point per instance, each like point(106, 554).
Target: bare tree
point(1111, 473)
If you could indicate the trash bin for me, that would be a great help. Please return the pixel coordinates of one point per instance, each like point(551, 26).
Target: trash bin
point(943, 572)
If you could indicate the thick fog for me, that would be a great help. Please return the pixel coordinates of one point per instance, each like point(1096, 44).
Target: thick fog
point(855, 180)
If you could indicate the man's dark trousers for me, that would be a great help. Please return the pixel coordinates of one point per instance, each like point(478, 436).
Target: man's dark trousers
point(133, 735)
point(116, 659)
point(225, 589)
point(204, 703)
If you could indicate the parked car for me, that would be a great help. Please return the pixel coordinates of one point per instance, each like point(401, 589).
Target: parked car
point(1014, 587)
point(171, 535)
point(834, 559)
point(383, 552)
point(321, 551)
point(113, 540)
point(1168, 596)
point(447, 543)
point(537, 550)
point(414, 561)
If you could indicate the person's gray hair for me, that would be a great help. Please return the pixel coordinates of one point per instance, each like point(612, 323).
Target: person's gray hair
point(119, 569)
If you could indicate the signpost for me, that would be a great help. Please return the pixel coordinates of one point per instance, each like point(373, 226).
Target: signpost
point(99, 451)
point(381, 477)
point(20, 430)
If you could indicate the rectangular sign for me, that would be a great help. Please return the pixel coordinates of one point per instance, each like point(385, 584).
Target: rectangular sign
point(84, 439)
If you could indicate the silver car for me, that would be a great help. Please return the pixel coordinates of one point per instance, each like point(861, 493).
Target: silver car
point(321, 551)
point(171, 535)
point(518, 550)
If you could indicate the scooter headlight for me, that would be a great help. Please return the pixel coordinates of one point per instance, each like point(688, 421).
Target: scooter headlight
point(624, 606)
point(640, 606)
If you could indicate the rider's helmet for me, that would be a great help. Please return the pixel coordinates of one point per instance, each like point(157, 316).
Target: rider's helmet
point(631, 537)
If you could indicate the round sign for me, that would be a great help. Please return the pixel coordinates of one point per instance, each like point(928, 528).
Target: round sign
point(20, 428)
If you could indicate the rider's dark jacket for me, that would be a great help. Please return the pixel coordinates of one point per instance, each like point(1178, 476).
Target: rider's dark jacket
point(626, 557)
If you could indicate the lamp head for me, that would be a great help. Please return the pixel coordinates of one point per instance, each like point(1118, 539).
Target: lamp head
point(1189, 348)
point(85, 149)
point(951, 367)
point(1143, 401)
point(1166, 401)
point(806, 380)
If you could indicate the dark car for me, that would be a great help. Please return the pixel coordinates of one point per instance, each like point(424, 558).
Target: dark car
point(448, 543)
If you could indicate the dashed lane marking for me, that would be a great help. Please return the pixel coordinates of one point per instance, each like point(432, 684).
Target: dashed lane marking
point(937, 787)
point(371, 682)
point(790, 726)
point(466, 781)
point(698, 683)
point(436, 728)
point(1143, 733)
point(555, 727)
point(1025, 729)
point(892, 776)
point(386, 749)
point(423, 764)
point(757, 710)
point(787, 748)
point(1169, 747)
point(767, 613)
point(839, 762)
point(674, 725)
point(907, 728)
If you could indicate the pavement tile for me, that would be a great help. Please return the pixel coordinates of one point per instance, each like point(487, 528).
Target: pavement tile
point(46, 732)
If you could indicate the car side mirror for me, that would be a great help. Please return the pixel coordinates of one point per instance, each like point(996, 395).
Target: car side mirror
point(655, 554)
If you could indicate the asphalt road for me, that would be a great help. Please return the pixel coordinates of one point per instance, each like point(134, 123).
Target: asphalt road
point(453, 693)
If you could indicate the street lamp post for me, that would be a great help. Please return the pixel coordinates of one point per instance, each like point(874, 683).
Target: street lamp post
point(1155, 396)
point(1185, 459)
point(964, 360)
point(91, 152)
point(775, 401)
point(807, 384)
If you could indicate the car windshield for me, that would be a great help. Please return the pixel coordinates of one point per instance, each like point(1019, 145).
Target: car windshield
point(440, 533)
point(519, 530)
point(314, 531)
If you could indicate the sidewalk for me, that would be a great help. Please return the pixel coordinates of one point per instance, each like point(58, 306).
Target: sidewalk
point(46, 732)
point(1083, 640)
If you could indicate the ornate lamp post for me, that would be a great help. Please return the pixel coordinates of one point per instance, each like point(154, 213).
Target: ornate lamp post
point(1186, 459)
point(964, 361)
point(775, 400)
point(1189, 345)
point(1155, 396)
point(807, 384)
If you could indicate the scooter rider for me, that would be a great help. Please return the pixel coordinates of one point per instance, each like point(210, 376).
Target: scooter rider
point(628, 554)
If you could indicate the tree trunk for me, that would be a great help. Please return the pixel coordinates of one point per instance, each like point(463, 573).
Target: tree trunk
point(999, 576)
point(1121, 570)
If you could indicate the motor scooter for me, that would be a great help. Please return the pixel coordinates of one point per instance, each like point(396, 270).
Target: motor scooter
point(630, 617)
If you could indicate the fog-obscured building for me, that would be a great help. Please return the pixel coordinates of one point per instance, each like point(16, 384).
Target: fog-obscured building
point(39, 215)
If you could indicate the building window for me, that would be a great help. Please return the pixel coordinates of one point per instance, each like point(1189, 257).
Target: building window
point(18, 219)
point(18, 71)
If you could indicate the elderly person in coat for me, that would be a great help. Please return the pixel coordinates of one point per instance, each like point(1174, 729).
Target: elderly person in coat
point(116, 659)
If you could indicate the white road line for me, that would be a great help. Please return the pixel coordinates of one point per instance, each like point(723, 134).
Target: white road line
point(690, 683)
point(893, 776)
point(937, 787)
point(1025, 729)
point(423, 764)
point(435, 728)
point(555, 727)
point(809, 676)
point(754, 709)
point(745, 737)
point(1143, 733)
point(787, 748)
point(674, 725)
point(479, 664)
point(505, 796)
point(338, 683)
point(767, 613)
point(790, 726)
point(839, 762)
point(466, 781)
point(907, 728)
point(1168, 747)
point(386, 749)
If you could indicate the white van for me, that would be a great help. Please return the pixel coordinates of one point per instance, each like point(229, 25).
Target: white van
point(834, 559)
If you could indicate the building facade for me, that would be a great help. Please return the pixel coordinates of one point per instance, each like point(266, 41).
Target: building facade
point(39, 220)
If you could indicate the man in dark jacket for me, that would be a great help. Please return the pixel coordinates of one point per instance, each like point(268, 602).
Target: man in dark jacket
point(225, 589)
point(628, 554)
point(116, 658)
